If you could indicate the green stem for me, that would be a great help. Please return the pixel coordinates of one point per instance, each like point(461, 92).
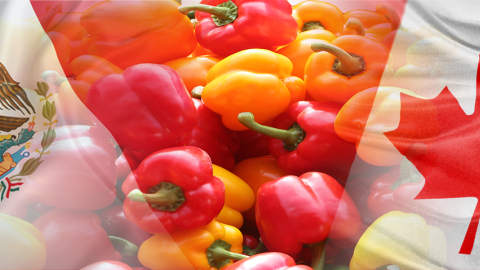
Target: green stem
point(391, 12)
point(220, 254)
point(408, 174)
point(318, 255)
point(356, 25)
point(222, 14)
point(125, 247)
point(53, 77)
point(164, 197)
point(291, 137)
point(348, 65)
point(312, 26)
point(197, 92)
point(259, 249)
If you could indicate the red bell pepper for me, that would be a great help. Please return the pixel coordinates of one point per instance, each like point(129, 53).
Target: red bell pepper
point(147, 108)
point(303, 139)
point(110, 265)
point(74, 239)
point(293, 211)
point(226, 27)
point(213, 137)
point(125, 164)
point(78, 173)
point(394, 190)
point(179, 188)
point(252, 145)
point(268, 261)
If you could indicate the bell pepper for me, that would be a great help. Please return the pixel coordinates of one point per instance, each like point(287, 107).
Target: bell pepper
point(368, 18)
point(147, 101)
point(313, 14)
point(239, 197)
point(226, 27)
point(382, 29)
point(127, 33)
point(103, 265)
point(395, 190)
point(345, 67)
point(125, 164)
point(212, 137)
point(256, 81)
point(371, 114)
point(211, 247)
point(176, 189)
point(286, 224)
point(22, 245)
point(74, 239)
point(86, 70)
point(400, 239)
point(304, 139)
point(256, 172)
point(300, 50)
point(268, 261)
point(193, 71)
point(77, 172)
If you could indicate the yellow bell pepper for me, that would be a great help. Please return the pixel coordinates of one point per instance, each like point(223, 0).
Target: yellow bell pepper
point(22, 245)
point(401, 239)
point(211, 247)
point(256, 81)
point(239, 197)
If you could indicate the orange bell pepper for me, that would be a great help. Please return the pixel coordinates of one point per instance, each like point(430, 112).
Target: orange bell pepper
point(239, 197)
point(133, 32)
point(314, 14)
point(211, 247)
point(193, 70)
point(254, 80)
point(367, 17)
point(383, 29)
point(345, 67)
point(199, 51)
point(299, 50)
point(87, 69)
point(256, 172)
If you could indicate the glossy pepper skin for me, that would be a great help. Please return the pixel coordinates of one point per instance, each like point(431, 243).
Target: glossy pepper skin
point(268, 261)
point(286, 224)
point(182, 175)
point(193, 70)
point(312, 144)
point(212, 137)
point(256, 81)
point(188, 249)
point(239, 197)
point(314, 14)
point(326, 79)
point(146, 108)
point(250, 26)
point(87, 69)
point(401, 239)
point(22, 245)
point(256, 172)
point(127, 33)
point(74, 239)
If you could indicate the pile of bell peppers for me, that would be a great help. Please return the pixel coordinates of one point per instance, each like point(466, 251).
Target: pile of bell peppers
point(234, 128)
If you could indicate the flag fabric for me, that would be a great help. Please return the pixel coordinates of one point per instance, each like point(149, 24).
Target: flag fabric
point(413, 179)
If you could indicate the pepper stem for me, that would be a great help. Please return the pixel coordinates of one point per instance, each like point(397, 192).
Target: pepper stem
point(318, 255)
point(53, 77)
point(164, 197)
point(197, 92)
point(312, 26)
point(346, 64)
point(291, 137)
point(218, 254)
point(391, 12)
point(125, 247)
point(356, 25)
point(222, 14)
point(408, 174)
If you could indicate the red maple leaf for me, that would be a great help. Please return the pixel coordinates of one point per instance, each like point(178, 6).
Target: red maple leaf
point(448, 152)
